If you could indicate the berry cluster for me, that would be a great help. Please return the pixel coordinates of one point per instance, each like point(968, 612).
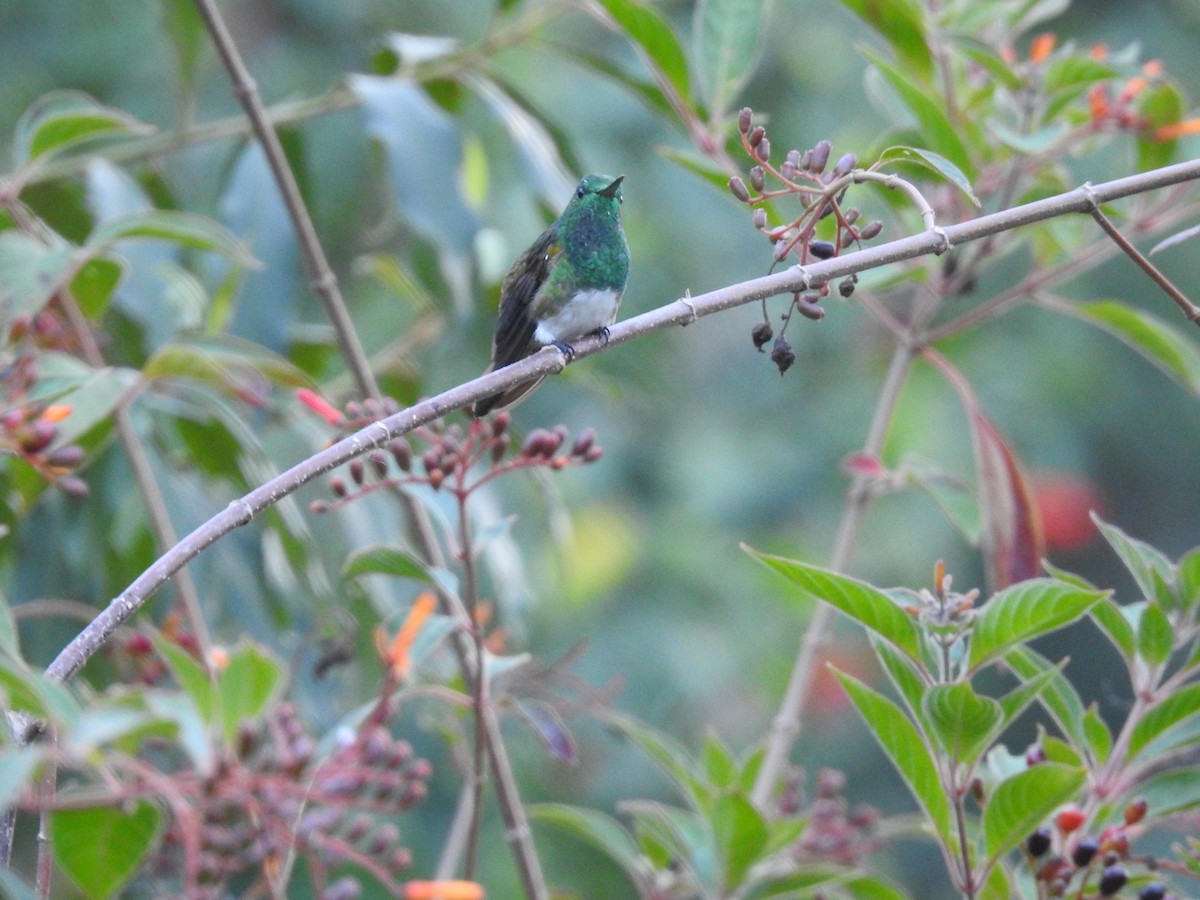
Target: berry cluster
point(273, 797)
point(1063, 854)
point(836, 832)
point(820, 190)
point(29, 429)
point(458, 459)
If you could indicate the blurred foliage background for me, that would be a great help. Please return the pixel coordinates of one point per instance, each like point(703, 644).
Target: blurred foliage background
point(706, 446)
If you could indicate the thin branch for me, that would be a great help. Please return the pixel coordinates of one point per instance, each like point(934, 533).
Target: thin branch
point(320, 274)
point(786, 726)
point(1187, 306)
point(159, 516)
point(551, 360)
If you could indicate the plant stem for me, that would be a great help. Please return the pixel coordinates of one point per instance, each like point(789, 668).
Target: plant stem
point(466, 555)
point(161, 526)
point(786, 727)
point(321, 276)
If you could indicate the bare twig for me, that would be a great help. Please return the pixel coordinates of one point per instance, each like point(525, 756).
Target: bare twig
point(321, 276)
point(785, 727)
point(161, 526)
point(1187, 306)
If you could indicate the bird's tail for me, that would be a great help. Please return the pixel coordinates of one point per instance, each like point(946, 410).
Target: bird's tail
point(505, 399)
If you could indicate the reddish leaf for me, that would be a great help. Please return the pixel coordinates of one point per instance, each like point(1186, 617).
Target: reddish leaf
point(1010, 529)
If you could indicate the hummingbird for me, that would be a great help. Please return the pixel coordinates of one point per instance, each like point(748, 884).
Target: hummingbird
point(567, 285)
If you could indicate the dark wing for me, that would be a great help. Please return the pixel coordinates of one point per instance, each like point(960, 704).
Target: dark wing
point(515, 326)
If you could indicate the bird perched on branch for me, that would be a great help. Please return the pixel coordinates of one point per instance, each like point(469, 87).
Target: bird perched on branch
point(567, 285)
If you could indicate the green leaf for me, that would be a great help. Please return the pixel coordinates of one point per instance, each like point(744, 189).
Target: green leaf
point(386, 559)
point(1098, 736)
point(99, 726)
point(741, 837)
point(902, 24)
point(1073, 74)
point(720, 768)
point(1115, 626)
point(61, 120)
point(1156, 636)
point(1187, 580)
point(688, 839)
point(92, 401)
point(651, 34)
point(185, 29)
point(1060, 697)
point(246, 686)
point(101, 848)
point(423, 149)
point(961, 720)
point(192, 728)
point(94, 283)
point(1022, 803)
point(728, 42)
point(17, 765)
point(182, 228)
point(1160, 342)
point(904, 745)
point(698, 165)
point(545, 149)
point(867, 605)
point(783, 833)
point(1149, 568)
point(1025, 611)
point(239, 368)
point(997, 886)
point(1015, 701)
point(30, 274)
point(195, 680)
point(987, 58)
point(935, 162)
point(814, 881)
point(904, 673)
point(10, 638)
point(1174, 709)
point(600, 831)
point(939, 132)
point(34, 693)
point(672, 757)
point(1160, 104)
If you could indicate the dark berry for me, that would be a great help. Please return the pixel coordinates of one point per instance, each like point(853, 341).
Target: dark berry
point(1038, 842)
point(822, 249)
point(1085, 851)
point(760, 334)
point(782, 354)
point(1113, 879)
point(1155, 890)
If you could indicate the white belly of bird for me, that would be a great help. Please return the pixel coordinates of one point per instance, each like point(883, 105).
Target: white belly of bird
point(589, 311)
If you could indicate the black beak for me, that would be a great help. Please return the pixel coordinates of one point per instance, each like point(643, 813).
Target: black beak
point(611, 190)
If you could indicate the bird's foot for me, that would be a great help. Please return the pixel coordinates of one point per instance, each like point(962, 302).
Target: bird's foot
point(565, 349)
point(602, 333)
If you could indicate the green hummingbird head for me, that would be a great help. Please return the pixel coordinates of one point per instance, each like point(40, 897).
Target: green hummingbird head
point(595, 194)
point(589, 231)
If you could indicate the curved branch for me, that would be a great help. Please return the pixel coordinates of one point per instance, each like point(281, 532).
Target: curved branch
point(550, 360)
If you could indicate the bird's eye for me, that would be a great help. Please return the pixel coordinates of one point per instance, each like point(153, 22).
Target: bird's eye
point(580, 191)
